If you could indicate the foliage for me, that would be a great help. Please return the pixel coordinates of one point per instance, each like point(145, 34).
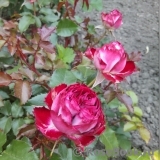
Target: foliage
point(42, 45)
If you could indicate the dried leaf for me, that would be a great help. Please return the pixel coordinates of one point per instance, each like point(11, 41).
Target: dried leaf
point(22, 90)
point(27, 130)
point(126, 100)
point(5, 79)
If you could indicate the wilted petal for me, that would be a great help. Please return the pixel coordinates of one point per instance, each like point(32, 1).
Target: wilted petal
point(45, 125)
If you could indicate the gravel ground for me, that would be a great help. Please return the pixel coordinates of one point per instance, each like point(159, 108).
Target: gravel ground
point(139, 32)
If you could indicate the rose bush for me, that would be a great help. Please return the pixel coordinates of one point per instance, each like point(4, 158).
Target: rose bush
point(73, 111)
point(112, 20)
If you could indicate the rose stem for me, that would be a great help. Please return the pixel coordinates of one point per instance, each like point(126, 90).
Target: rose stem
point(53, 148)
point(91, 83)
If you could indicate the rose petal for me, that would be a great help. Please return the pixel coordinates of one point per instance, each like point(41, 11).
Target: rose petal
point(53, 93)
point(61, 125)
point(82, 141)
point(129, 69)
point(113, 78)
point(45, 125)
point(120, 65)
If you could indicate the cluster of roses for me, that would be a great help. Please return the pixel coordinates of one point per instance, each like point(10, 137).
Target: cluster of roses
point(75, 111)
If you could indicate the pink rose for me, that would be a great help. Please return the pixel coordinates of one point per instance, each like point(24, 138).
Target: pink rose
point(73, 111)
point(112, 20)
point(90, 53)
point(111, 59)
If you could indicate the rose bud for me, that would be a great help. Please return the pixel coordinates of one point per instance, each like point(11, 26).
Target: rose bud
point(72, 111)
point(112, 20)
point(111, 59)
point(89, 53)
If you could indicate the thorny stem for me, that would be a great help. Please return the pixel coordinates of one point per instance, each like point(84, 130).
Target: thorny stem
point(53, 148)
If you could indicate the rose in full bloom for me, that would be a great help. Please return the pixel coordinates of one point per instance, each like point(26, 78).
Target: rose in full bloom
point(112, 60)
point(72, 111)
point(112, 20)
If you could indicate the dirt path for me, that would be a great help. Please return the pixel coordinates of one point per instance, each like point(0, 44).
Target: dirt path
point(139, 32)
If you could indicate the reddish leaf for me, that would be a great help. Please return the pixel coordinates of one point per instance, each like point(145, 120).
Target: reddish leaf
point(22, 90)
point(47, 46)
point(27, 130)
point(135, 56)
point(45, 32)
point(126, 100)
point(28, 73)
point(109, 95)
point(9, 25)
point(16, 76)
point(39, 59)
point(5, 79)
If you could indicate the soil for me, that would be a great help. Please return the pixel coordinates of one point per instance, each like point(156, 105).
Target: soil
point(139, 32)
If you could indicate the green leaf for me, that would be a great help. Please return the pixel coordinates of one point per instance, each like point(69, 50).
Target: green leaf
point(38, 100)
point(4, 3)
point(5, 124)
point(65, 54)
point(16, 124)
point(145, 134)
point(67, 153)
point(18, 150)
point(66, 28)
point(87, 73)
point(94, 5)
point(17, 110)
point(133, 96)
point(114, 103)
point(6, 109)
point(156, 155)
point(53, 39)
point(38, 21)
point(37, 89)
point(3, 140)
point(137, 155)
point(138, 111)
point(109, 139)
point(62, 75)
point(91, 29)
point(124, 142)
point(25, 22)
point(99, 156)
point(122, 108)
point(130, 126)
